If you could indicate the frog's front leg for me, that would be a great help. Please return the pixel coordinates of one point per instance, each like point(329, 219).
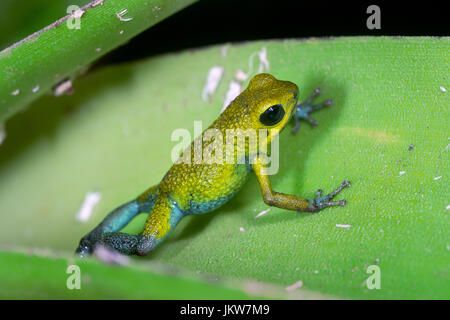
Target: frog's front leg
point(304, 109)
point(292, 202)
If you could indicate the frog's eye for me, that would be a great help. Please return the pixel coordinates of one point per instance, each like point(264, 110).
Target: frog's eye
point(272, 115)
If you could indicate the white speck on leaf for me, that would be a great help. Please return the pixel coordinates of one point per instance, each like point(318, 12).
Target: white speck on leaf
point(90, 201)
point(316, 271)
point(35, 89)
point(294, 286)
point(234, 90)
point(64, 87)
point(224, 50)
point(402, 173)
point(263, 61)
point(447, 147)
point(98, 49)
point(437, 178)
point(121, 14)
point(263, 65)
point(262, 213)
point(241, 229)
point(15, 92)
point(443, 89)
point(78, 13)
point(345, 226)
point(121, 32)
point(240, 75)
point(97, 2)
point(110, 256)
point(448, 207)
point(212, 81)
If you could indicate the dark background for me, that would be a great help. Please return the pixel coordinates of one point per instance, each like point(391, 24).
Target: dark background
point(217, 21)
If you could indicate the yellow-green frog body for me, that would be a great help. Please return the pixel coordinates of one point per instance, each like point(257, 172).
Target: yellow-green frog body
point(214, 168)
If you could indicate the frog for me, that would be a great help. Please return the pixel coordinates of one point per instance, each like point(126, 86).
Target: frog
point(196, 187)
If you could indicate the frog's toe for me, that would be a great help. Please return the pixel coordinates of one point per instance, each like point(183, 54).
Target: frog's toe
point(327, 103)
point(304, 109)
point(85, 248)
point(320, 202)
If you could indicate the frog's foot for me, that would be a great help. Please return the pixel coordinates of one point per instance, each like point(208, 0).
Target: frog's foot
point(304, 109)
point(319, 202)
point(123, 243)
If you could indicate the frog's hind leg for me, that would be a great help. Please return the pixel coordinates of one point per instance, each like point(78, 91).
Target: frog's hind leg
point(117, 220)
point(304, 109)
point(161, 221)
point(164, 216)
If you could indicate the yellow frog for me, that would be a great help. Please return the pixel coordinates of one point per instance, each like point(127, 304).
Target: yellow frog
point(197, 187)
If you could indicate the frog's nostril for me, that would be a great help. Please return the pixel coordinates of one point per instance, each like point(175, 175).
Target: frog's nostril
point(295, 95)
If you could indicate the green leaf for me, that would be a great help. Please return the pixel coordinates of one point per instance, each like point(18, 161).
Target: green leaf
point(32, 66)
point(49, 277)
point(18, 20)
point(387, 133)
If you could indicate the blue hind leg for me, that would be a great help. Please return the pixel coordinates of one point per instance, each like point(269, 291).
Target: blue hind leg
point(115, 221)
point(163, 218)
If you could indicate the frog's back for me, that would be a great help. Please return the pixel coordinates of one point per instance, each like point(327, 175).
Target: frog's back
point(200, 188)
point(203, 187)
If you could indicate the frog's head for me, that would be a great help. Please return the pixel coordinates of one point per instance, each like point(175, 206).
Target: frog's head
point(272, 101)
